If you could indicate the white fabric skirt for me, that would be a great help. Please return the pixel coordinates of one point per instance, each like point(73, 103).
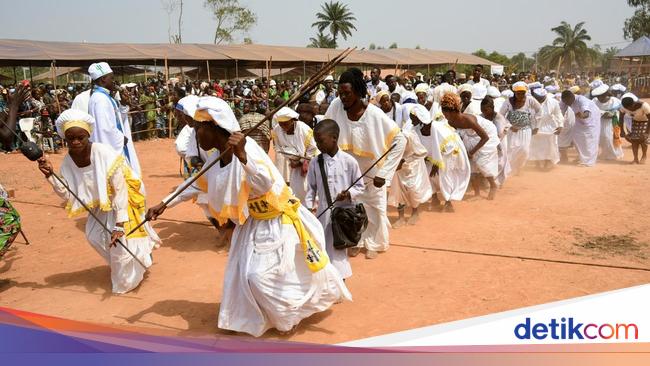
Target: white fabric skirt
point(518, 148)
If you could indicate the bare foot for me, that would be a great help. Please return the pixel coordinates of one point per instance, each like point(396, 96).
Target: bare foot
point(371, 254)
point(414, 219)
point(449, 207)
point(642, 160)
point(492, 194)
point(288, 332)
point(634, 162)
point(399, 223)
point(353, 252)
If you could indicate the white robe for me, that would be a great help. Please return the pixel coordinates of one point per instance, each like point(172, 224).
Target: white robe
point(410, 185)
point(110, 128)
point(447, 151)
point(565, 139)
point(92, 184)
point(486, 160)
point(608, 110)
point(544, 144)
point(519, 141)
point(366, 139)
point(399, 113)
point(502, 125)
point(80, 102)
point(341, 170)
point(267, 283)
point(586, 132)
point(300, 143)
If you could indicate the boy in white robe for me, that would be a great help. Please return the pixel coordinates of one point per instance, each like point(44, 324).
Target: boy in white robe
point(586, 131)
point(544, 141)
point(367, 133)
point(447, 158)
point(108, 186)
point(295, 141)
point(410, 186)
point(112, 128)
point(278, 273)
point(502, 125)
point(341, 170)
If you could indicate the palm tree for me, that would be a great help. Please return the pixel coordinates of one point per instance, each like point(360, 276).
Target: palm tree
point(321, 41)
point(337, 18)
point(569, 48)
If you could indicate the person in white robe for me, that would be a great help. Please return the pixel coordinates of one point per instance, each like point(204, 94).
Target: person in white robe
point(522, 112)
point(479, 92)
point(488, 111)
point(544, 142)
point(498, 100)
point(586, 131)
point(112, 128)
point(610, 130)
point(367, 133)
point(410, 186)
point(341, 170)
point(278, 272)
point(295, 141)
point(396, 111)
point(106, 184)
point(481, 142)
point(81, 101)
point(447, 160)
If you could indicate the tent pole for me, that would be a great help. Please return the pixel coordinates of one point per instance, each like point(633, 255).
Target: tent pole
point(304, 71)
point(207, 64)
point(236, 70)
point(56, 97)
point(169, 114)
point(145, 74)
point(31, 77)
point(15, 78)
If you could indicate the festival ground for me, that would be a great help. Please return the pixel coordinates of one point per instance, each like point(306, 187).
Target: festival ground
point(548, 236)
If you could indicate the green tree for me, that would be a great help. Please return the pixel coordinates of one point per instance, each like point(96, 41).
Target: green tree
point(568, 49)
point(321, 41)
point(372, 46)
point(417, 47)
point(393, 45)
point(639, 24)
point(337, 18)
point(231, 18)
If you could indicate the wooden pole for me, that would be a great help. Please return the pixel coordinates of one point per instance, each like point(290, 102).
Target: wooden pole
point(56, 97)
point(15, 77)
point(207, 64)
point(169, 114)
point(236, 69)
point(31, 77)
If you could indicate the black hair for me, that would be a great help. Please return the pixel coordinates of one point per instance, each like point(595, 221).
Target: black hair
point(327, 127)
point(354, 77)
point(388, 77)
point(627, 102)
point(567, 94)
point(487, 102)
point(478, 66)
point(180, 92)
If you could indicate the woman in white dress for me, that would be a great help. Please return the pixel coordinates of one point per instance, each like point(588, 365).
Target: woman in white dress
point(278, 272)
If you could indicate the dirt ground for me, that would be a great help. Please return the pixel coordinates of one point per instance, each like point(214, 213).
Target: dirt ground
point(548, 236)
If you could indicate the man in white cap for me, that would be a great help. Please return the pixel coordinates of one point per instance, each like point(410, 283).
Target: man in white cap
point(544, 141)
point(294, 140)
point(112, 127)
point(610, 127)
point(328, 94)
point(586, 131)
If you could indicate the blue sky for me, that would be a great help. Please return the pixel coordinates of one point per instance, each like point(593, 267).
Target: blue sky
point(508, 26)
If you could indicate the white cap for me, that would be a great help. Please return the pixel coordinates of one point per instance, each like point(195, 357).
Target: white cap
point(329, 78)
point(630, 95)
point(600, 90)
point(619, 88)
point(286, 114)
point(493, 91)
point(98, 70)
point(218, 112)
point(479, 91)
point(540, 92)
point(188, 105)
point(421, 113)
point(272, 82)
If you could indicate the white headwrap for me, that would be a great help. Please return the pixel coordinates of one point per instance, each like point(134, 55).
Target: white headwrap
point(329, 78)
point(463, 88)
point(217, 111)
point(286, 114)
point(630, 95)
point(188, 105)
point(479, 91)
point(535, 85)
point(493, 91)
point(98, 70)
point(507, 93)
point(408, 97)
point(619, 88)
point(540, 92)
point(600, 90)
point(596, 83)
point(74, 118)
point(421, 113)
point(272, 82)
point(547, 79)
point(422, 88)
point(552, 88)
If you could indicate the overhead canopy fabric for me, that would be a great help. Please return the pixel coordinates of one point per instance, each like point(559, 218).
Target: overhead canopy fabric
point(638, 48)
point(41, 53)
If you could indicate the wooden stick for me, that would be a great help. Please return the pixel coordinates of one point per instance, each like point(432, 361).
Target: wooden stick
point(314, 81)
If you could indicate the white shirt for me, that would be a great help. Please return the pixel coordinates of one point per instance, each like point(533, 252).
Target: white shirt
point(373, 90)
point(484, 82)
point(341, 169)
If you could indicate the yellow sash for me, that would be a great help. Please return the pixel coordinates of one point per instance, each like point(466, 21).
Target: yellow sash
point(260, 209)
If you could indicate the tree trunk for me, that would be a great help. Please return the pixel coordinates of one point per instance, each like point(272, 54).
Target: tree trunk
point(180, 18)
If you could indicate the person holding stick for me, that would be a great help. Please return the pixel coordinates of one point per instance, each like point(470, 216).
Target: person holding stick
point(366, 133)
point(278, 271)
point(104, 183)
